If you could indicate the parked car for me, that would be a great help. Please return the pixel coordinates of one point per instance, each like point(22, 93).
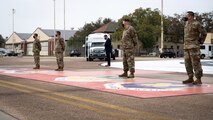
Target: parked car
point(11, 53)
point(3, 52)
point(168, 52)
point(153, 54)
point(74, 53)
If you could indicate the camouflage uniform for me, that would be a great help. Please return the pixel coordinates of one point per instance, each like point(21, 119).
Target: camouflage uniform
point(59, 50)
point(36, 52)
point(128, 42)
point(192, 33)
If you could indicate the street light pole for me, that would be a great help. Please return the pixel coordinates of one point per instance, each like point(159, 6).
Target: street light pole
point(13, 26)
point(64, 22)
point(54, 26)
point(162, 31)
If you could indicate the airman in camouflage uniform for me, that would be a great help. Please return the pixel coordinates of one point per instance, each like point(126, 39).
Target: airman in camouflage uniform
point(128, 43)
point(36, 51)
point(194, 34)
point(59, 50)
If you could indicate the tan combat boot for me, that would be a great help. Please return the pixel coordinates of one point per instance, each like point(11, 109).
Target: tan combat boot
point(57, 69)
point(37, 67)
point(60, 69)
point(189, 80)
point(198, 81)
point(124, 74)
point(131, 75)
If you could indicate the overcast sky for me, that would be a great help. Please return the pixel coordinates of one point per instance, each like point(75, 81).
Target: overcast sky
point(31, 14)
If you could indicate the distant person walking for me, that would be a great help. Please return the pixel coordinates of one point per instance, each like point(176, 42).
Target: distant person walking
point(194, 35)
point(108, 49)
point(36, 51)
point(59, 50)
point(128, 43)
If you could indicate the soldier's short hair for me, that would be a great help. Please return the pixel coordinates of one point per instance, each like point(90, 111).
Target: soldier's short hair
point(191, 13)
point(58, 32)
point(36, 34)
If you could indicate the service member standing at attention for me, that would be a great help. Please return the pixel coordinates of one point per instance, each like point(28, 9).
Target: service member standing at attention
point(128, 43)
point(59, 50)
point(36, 51)
point(194, 35)
point(108, 49)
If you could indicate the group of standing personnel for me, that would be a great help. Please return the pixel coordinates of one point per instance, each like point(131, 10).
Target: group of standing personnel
point(59, 51)
point(194, 35)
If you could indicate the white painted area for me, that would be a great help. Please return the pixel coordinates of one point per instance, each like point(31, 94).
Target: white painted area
point(80, 79)
point(165, 65)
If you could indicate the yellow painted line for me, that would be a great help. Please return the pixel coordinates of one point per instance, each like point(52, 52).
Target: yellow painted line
point(112, 114)
point(107, 105)
point(17, 89)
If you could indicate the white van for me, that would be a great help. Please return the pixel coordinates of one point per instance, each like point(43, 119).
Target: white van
point(206, 51)
point(94, 46)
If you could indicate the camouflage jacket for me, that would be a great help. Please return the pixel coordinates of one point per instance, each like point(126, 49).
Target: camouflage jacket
point(129, 38)
point(59, 45)
point(192, 32)
point(36, 45)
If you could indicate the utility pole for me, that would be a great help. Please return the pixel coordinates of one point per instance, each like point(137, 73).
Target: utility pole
point(65, 28)
point(64, 21)
point(54, 26)
point(13, 26)
point(162, 31)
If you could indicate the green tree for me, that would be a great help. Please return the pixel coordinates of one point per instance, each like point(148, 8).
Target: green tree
point(79, 38)
point(2, 41)
point(174, 26)
point(147, 24)
point(206, 19)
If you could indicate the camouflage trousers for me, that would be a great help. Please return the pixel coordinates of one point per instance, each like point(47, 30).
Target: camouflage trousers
point(129, 60)
point(60, 59)
point(37, 58)
point(192, 62)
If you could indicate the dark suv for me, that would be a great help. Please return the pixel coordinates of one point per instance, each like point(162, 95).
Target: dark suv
point(168, 52)
point(74, 53)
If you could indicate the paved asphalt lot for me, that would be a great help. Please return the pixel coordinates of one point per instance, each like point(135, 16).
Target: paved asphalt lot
point(27, 99)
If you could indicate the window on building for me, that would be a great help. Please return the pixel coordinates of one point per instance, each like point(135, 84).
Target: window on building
point(202, 47)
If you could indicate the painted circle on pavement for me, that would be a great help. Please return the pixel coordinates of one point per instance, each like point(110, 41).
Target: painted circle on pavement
point(162, 86)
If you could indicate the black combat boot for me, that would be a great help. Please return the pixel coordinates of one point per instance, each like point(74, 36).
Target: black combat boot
point(189, 80)
point(124, 74)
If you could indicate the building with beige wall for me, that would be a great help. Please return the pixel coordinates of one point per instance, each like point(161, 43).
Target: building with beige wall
point(17, 41)
point(24, 41)
point(209, 38)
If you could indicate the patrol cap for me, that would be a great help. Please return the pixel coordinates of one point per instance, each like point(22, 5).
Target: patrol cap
point(126, 20)
point(191, 13)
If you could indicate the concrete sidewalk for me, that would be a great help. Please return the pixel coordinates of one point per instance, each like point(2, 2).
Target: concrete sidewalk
point(5, 116)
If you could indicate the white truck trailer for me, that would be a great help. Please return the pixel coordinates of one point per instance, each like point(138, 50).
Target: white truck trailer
point(206, 51)
point(94, 46)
